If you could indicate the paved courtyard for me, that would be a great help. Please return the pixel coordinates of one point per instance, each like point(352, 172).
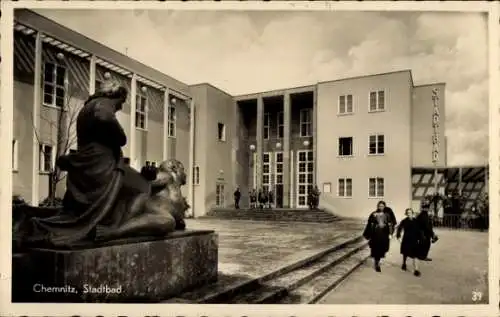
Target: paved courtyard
point(459, 268)
point(254, 248)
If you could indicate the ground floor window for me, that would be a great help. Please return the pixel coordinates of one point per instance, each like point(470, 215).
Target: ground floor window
point(15, 158)
point(344, 187)
point(376, 187)
point(219, 195)
point(196, 175)
point(46, 158)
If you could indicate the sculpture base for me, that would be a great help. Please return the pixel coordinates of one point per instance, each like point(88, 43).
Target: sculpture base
point(147, 271)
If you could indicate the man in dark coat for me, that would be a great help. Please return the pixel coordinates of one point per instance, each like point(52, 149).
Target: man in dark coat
point(260, 199)
point(154, 171)
point(270, 198)
point(429, 235)
point(237, 197)
point(145, 170)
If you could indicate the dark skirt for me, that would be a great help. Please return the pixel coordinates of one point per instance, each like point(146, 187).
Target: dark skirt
point(412, 248)
point(379, 244)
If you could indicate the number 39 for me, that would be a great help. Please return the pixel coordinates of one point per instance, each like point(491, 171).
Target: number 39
point(476, 296)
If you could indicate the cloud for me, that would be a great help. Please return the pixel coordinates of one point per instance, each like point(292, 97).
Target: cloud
point(244, 52)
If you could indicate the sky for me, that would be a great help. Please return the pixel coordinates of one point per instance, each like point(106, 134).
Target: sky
point(243, 52)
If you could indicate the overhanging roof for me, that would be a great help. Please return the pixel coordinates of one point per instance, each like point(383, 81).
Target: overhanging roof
point(73, 42)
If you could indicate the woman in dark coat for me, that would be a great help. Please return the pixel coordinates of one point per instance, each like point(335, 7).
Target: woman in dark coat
point(377, 231)
point(412, 244)
point(429, 236)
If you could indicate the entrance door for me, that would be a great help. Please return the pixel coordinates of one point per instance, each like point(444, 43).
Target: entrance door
point(278, 179)
point(305, 170)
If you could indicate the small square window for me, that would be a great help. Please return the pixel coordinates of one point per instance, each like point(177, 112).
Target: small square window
point(345, 146)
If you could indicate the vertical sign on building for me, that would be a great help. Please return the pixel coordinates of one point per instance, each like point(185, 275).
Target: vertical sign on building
point(435, 136)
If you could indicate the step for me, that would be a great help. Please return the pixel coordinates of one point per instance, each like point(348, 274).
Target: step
point(225, 288)
point(270, 291)
point(315, 289)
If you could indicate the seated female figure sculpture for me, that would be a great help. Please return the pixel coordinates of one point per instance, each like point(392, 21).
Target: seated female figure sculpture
point(105, 198)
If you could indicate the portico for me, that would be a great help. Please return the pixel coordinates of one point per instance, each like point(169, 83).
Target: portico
point(279, 144)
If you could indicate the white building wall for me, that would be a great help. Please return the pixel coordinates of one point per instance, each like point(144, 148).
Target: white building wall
point(394, 166)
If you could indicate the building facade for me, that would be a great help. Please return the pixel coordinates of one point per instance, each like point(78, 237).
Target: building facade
point(55, 71)
point(357, 139)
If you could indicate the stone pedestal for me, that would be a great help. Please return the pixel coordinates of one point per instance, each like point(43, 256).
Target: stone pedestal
point(146, 271)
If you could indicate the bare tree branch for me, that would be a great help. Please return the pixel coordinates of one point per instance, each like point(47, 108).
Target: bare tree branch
point(64, 124)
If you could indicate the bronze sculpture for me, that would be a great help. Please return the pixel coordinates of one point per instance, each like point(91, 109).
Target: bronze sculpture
point(105, 198)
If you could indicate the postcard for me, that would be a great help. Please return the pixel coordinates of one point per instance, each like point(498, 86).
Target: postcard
point(247, 158)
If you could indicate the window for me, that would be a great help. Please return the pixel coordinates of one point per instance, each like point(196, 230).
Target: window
point(305, 122)
point(344, 187)
point(345, 104)
point(221, 132)
point(266, 171)
point(54, 85)
point(46, 158)
point(345, 146)
point(219, 195)
point(376, 145)
point(141, 112)
point(15, 155)
point(196, 175)
point(267, 125)
point(376, 187)
point(278, 168)
point(377, 101)
point(281, 125)
point(172, 119)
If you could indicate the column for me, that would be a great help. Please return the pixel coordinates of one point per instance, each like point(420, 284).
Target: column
point(166, 102)
point(133, 105)
point(235, 145)
point(37, 93)
point(287, 163)
point(192, 123)
point(92, 86)
point(259, 140)
point(460, 180)
point(314, 128)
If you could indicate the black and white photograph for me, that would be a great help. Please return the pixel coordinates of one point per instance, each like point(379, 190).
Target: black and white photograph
point(302, 154)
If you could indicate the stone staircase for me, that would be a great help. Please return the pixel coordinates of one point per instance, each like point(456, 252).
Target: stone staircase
point(281, 214)
point(303, 282)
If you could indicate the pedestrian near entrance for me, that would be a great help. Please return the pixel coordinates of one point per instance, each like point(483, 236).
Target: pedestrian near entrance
point(253, 199)
point(270, 198)
point(154, 171)
point(145, 170)
point(377, 232)
point(260, 198)
point(237, 196)
point(412, 243)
